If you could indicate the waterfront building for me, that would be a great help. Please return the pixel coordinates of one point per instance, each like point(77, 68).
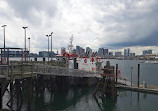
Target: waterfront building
point(82, 51)
point(88, 52)
point(101, 52)
point(125, 53)
point(15, 53)
point(53, 54)
point(132, 55)
point(150, 56)
point(43, 54)
point(118, 54)
point(77, 50)
point(33, 55)
point(128, 52)
point(110, 54)
point(147, 52)
point(106, 52)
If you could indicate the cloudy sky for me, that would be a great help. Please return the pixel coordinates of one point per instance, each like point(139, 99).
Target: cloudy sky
point(114, 24)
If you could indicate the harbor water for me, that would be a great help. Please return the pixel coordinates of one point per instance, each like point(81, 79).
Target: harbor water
point(79, 98)
point(148, 72)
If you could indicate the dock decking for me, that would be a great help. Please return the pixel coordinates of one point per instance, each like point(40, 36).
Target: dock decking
point(24, 70)
point(148, 89)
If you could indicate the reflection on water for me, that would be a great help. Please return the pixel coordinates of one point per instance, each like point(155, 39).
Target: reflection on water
point(106, 104)
point(80, 98)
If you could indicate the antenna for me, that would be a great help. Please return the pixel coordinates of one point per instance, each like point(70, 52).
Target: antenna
point(70, 46)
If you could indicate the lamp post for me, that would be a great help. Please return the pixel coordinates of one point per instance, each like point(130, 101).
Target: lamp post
point(29, 48)
point(25, 41)
point(131, 75)
point(4, 37)
point(48, 46)
point(51, 46)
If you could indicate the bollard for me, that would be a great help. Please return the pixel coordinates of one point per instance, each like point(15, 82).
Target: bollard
point(144, 84)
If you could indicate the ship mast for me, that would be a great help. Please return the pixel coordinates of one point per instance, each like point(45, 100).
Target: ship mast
point(70, 46)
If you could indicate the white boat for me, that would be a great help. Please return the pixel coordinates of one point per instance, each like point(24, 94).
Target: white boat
point(87, 63)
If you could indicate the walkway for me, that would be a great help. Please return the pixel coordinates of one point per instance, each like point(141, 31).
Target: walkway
point(25, 70)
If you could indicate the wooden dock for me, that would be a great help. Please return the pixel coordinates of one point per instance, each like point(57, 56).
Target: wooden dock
point(148, 89)
point(24, 70)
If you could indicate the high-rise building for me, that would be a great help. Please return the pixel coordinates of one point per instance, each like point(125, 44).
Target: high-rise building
point(82, 50)
point(118, 54)
point(101, 52)
point(106, 52)
point(125, 53)
point(132, 54)
point(147, 52)
point(88, 51)
point(110, 54)
point(78, 50)
point(128, 52)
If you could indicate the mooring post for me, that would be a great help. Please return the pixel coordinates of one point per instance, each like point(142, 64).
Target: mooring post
point(11, 72)
point(31, 70)
point(116, 72)
point(75, 63)
point(138, 75)
point(0, 96)
point(11, 94)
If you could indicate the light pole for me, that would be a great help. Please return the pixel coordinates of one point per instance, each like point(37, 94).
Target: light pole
point(29, 48)
point(51, 46)
point(48, 46)
point(4, 38)
point(131, 75)
point(25, 41)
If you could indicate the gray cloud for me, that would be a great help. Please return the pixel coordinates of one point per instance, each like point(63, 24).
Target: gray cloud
point(27, 9)
point(133, 25)
point(108, 23)
point(148, 41)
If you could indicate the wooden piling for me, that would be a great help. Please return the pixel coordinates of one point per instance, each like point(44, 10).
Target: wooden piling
point(11, 94)
point(0, 96)
point(107, 83)
point(138, 75)
point(116, 72)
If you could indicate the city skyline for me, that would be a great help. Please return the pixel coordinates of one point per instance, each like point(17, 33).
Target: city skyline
point(81, 52)
point(114, 25)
